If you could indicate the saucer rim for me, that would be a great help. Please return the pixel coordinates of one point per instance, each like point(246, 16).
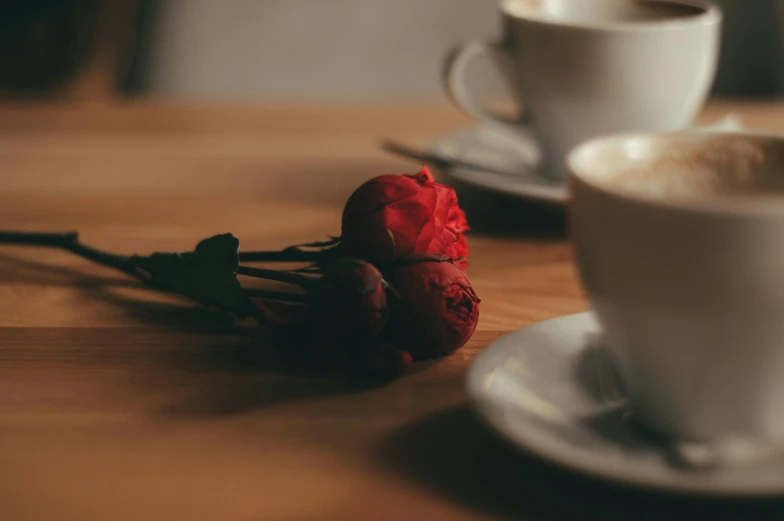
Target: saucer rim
point(534, 443)
point(556, 194)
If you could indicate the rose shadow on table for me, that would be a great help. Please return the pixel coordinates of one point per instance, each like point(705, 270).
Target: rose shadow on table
point(28, 271)
point(189, 319)
point(246, 372)
point(501, 216)
point(453, 455)
point(210, 366)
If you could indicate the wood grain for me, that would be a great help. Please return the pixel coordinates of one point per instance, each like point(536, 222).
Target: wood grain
point(118, 403)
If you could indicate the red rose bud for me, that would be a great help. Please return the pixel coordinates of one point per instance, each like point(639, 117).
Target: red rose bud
point(392, 216)
point(347, 309)
point(437, 311)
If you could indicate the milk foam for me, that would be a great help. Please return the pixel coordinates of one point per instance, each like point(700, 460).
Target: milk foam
point(716, 165)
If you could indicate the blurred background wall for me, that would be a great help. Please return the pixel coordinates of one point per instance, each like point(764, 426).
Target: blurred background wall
point(309, 48)
point(296, 49)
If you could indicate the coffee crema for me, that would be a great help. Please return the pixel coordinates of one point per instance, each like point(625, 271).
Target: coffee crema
point(719, 165)
point(592, 11)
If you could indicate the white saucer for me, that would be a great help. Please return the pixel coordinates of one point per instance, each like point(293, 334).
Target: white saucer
point(551, 390)
point(486, 145)
point(515, 153)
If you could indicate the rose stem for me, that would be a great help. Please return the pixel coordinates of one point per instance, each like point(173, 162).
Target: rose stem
point(69, 241)
point(297, 253)
point(281, 276)
point(279, 256)
point(38, 239)
point(275, 295)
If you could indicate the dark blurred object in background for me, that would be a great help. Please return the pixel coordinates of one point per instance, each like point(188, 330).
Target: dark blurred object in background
point(68, 48)
point(752, 54)
point(44, 43)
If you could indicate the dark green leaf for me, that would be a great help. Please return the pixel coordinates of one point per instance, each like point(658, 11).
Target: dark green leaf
point(223, 249)
point(207, 275)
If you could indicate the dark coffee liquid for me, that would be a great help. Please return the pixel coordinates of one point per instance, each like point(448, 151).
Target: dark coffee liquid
point(593, 11)
point(652, 10)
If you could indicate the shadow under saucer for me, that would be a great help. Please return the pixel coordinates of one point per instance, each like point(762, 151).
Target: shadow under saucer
point(497, 215)
point(452, 454)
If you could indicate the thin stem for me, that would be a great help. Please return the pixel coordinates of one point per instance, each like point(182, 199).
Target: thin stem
point(279, 256)
point(311, 268)
point(118, 262)
point(38, 239)
point(332, 241)
point(275, 295)
point(281, 276)
point(69, 241)
point(309, 252)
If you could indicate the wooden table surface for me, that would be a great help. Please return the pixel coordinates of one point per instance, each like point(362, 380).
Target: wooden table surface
point(117, 403)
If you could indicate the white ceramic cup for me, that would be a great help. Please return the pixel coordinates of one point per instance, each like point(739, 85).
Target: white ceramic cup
point(689, 291)
point(585, 68)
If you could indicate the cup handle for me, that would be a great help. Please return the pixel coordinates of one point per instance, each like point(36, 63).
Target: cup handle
point(453, 76)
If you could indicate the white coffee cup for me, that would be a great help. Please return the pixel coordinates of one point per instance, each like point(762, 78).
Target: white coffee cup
point(679, 239)
point(585, 68)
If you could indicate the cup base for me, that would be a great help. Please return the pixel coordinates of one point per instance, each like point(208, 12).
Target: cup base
point(732, 451)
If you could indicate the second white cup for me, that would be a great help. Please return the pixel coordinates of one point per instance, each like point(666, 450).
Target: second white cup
point(579, 74)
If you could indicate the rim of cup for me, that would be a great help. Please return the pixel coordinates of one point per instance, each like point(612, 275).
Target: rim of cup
point(710, 15)
point(581, 171)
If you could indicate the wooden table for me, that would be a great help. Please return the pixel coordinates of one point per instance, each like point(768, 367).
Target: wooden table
point(117, 403)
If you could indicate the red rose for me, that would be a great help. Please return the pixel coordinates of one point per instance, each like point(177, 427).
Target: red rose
point(347, 310)
point(437, 311)
point(392, 216)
